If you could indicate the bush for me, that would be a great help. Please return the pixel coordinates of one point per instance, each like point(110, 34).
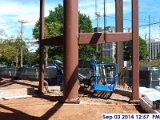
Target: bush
point(107, 60)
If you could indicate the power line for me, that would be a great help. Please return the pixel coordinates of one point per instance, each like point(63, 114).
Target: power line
point(126, 19)
point(149, 24)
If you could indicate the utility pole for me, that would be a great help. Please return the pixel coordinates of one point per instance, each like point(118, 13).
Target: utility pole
point(145, 36)
point(21, 32)
point(104, 16)
point(103, 45)
point(97, 14)
point(159, 28)
point(149, 17)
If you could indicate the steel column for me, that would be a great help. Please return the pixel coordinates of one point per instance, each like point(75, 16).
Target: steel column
point(41, 48)
point(119, 45)
point(70, 92)
point(135, 52)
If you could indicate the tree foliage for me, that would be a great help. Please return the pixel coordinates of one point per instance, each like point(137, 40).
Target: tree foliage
point(31, 58)
point(7, 52)
point(10, 51)
point(21, 44)
point(53, 24)
point(54, 27)
point(107, 60)
point(143, 53)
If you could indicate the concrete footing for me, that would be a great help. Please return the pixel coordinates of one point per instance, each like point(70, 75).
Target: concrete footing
point(16, 93)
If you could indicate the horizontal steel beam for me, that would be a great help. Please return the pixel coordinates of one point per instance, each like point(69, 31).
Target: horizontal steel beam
point(99, 38)
point(91, 38)
point(58, 40)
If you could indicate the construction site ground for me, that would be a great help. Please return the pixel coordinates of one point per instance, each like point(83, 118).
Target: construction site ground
point(48, 106)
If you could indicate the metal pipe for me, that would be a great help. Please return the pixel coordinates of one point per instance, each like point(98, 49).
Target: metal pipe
point(149, 37)
point(70, 93)
point(104, 15)
point(135, 52)
point(119, 45)
point(41, 49)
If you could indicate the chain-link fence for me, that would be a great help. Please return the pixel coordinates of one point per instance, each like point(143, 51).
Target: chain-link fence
point(145, 77)
point(148, 78)
point(20, 73)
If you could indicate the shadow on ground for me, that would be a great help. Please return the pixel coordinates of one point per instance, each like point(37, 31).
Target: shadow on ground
point(15, 114)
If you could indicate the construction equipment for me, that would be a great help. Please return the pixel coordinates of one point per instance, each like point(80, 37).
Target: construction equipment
point(55, 73)
point(105, 76)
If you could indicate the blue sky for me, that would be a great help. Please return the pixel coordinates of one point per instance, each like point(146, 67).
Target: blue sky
point(13, 10)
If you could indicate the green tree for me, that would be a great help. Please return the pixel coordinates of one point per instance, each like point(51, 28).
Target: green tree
point(143, 53)
point(107, 60)
point(7, 52)
point(10, 50)
point(31, 58)
point(86, 52)
point(54, 27)
point(53, 24)
point(18, 45)
point(127, 50)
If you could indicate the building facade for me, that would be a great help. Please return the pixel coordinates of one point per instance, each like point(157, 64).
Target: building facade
point(154, 49)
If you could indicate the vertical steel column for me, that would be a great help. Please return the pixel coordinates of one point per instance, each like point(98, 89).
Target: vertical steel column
point(70, 51)
point(135, 52)
point(41, 51)
point(119, 45)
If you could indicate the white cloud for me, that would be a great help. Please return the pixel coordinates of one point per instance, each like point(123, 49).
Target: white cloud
point(11, 12)
point(126, 0)
point(11, 8)
point(88, 7)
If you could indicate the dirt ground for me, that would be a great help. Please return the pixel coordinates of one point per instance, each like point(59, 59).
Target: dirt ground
point(44, 107)
point(8, 83)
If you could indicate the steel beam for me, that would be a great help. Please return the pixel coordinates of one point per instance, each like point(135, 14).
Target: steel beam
point(119, 45)
point(91, 38)
point(53, 41)
point(99, 38)
point(70, 92)
point(41, 50)
point(135, 52)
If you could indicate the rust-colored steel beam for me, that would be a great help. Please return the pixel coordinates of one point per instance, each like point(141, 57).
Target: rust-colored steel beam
point(70, 93)
point(41, 50)
point(119, 45)
point(91, 38)
point(135, 52)
point(54, 41)
point(99, 38)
